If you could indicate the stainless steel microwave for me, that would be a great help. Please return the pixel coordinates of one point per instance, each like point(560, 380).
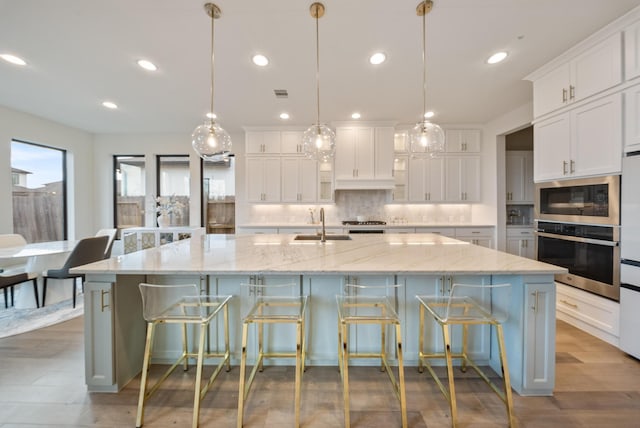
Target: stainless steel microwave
point(594, 200)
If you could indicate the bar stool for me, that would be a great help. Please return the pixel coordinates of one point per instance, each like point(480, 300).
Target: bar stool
point(467, 305)
point(182, 304)
point(273, 304)
point(359, 306)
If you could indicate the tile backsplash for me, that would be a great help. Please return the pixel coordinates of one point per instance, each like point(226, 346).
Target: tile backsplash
point(372, 204)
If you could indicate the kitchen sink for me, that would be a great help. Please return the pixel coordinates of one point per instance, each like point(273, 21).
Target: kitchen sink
point(318, 238)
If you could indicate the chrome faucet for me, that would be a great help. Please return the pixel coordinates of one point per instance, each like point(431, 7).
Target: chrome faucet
point(323, 236)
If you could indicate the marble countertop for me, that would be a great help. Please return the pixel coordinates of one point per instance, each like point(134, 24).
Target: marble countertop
point(342, 226)
point(422, 253)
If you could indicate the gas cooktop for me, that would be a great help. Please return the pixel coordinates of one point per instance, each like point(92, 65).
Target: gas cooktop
point(364, 223)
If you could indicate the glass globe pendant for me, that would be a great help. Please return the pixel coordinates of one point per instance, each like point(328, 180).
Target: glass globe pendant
point(210, 141)
point(426, 138)
point(319, 141)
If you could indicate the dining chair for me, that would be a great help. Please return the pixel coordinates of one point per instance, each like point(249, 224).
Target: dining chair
point(111, 233)
point(87, 250)
point(12, 273)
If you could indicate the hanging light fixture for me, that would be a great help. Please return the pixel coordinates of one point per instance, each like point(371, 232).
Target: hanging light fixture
point(319, 141)
point(427, 138)
point(210, 140)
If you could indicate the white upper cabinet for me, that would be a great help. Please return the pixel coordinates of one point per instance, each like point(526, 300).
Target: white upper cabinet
point(593, 71)
point(261, 142)
point(364, 157)
point(462, 179)
point(426, 179)
point(299, 179)
point(632, 51)
point(291, 142)
point(583, 142)
point(263, 179)
point(462, 140)
point(632, 119)
point(519, 177)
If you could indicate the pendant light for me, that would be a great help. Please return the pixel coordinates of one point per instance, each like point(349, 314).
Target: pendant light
point(319, 141)
point(210, 140)
point(427, 138)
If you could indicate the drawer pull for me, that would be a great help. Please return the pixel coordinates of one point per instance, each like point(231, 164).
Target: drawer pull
point(571, 305)
point(104, 305)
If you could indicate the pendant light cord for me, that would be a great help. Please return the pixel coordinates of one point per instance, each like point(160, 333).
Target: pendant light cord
point(213, 19)
point(424, 62)
point(317, 69)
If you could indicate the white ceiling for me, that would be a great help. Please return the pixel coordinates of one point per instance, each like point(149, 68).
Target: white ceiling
point(82, 52)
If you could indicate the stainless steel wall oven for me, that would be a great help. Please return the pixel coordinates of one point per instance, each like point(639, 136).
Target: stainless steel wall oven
point(578, 227)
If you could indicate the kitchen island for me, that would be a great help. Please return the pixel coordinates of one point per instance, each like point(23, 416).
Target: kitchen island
point(425, 264)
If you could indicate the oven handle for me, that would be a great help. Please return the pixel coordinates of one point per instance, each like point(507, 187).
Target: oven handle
point(577, 239)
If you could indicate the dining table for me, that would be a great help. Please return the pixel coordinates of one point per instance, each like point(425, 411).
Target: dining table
point(36, 257)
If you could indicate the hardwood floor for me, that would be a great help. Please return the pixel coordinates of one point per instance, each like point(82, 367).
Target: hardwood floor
point(42, 385)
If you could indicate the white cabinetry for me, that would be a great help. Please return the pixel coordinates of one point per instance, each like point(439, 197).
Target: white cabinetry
point(462, 140)
point(263, 179)
point(291, 142)
point(482, 236)
point(593, 314)
point(582, 142)
point(401, 178)
point(632, 51)
point(260, 142)
point(299, 179)
point(520, 242)
point(364, 157)
point(539, 337)
point(519, 174)
point(593, 71)
point(632, 119)
point(427, 179)
point(462, 179)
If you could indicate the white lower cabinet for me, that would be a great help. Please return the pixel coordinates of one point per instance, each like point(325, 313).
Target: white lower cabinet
point(539, 333)
point(482, 236)
point(521, 242)
point(114, 358)
point(596, 315)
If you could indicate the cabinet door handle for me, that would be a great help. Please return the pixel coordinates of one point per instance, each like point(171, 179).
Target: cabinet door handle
point(571, 305)
point(564, 95)
point(104, 305)
point(535, 301)
point(564, 167)
point(429, 196)
point(572, 167)
point(572, 92)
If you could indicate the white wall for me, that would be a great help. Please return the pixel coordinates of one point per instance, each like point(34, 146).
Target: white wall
point(80, 167)
point(493, 167)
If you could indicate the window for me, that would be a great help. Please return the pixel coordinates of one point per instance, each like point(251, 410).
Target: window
point(39, 189)
point(129, 190)
point(218, 195)
point(173, 187)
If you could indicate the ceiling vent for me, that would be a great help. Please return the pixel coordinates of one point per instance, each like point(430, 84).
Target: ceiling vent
point(281, 93)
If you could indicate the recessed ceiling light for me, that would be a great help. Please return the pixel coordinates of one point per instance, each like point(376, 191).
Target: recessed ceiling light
point(13, 59)
point(147, 65)
point(212, 116)
point(429, 114)
point(284, 116)
point(260, 60)
point(377, 58)
point(355, 116)
point(496, 57)
point(110, 105)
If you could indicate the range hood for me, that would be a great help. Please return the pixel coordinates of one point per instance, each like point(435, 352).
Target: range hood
point(364, 183)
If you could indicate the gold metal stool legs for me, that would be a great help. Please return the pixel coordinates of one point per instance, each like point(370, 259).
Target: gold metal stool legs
point(300, 354)
point(343, 363)
point(199, 391)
